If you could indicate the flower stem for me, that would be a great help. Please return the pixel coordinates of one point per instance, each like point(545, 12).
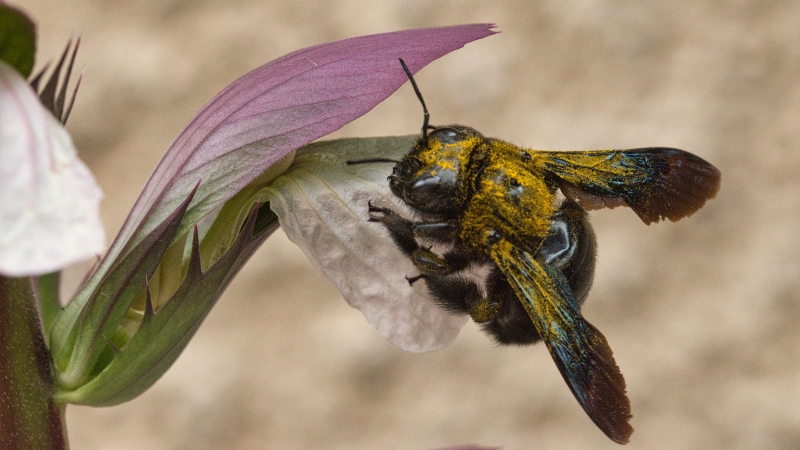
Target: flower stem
point(29, 418)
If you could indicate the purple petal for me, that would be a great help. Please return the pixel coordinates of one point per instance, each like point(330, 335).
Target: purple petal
point(277, 108)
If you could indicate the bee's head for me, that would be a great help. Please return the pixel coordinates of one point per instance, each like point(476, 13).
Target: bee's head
point(432, 177)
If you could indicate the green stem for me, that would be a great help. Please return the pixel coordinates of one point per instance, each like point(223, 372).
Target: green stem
point(29, 418)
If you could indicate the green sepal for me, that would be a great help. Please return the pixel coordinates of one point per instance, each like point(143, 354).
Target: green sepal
point(81, 332)
point(164, 333)
point(17, 39)
point(49, 301)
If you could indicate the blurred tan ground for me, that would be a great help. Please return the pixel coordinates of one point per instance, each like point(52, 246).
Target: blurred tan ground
point(702, 314)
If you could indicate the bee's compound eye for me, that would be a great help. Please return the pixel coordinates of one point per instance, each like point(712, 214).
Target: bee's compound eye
point(445, 135)
point(423, 187)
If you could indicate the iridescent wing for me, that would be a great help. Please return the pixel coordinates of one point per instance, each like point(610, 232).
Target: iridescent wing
point(580, 351)
point(656, 182)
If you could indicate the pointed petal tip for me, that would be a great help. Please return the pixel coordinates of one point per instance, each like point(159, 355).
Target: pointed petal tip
point(149, 310)
point(195, 269)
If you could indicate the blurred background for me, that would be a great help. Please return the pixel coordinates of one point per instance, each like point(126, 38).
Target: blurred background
point(702, 314)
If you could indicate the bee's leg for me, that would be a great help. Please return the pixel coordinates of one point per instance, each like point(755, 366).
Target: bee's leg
point(429, 263)
point(453, 291)
point(400, 229)
point(438, 231)
point(404, 233)
point(462, 295)
point(512, 325)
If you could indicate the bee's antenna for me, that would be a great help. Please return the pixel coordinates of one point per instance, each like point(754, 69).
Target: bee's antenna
point(424, 108)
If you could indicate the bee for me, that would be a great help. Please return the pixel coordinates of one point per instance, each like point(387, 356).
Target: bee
point(523, 214)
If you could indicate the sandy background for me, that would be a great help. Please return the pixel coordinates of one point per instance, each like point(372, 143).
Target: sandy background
point(702, 314)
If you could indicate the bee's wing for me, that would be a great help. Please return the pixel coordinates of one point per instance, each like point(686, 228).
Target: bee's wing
point(656, 183)
point(580, 351)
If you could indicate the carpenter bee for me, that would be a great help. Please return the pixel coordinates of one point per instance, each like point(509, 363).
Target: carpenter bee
point(522, 213)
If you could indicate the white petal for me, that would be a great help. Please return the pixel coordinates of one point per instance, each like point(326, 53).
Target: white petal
point(49, 201)
point(322, 207)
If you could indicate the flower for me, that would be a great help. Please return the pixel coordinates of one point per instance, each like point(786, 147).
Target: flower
point(50, 202)
point(322, 206)
point(202, 213)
